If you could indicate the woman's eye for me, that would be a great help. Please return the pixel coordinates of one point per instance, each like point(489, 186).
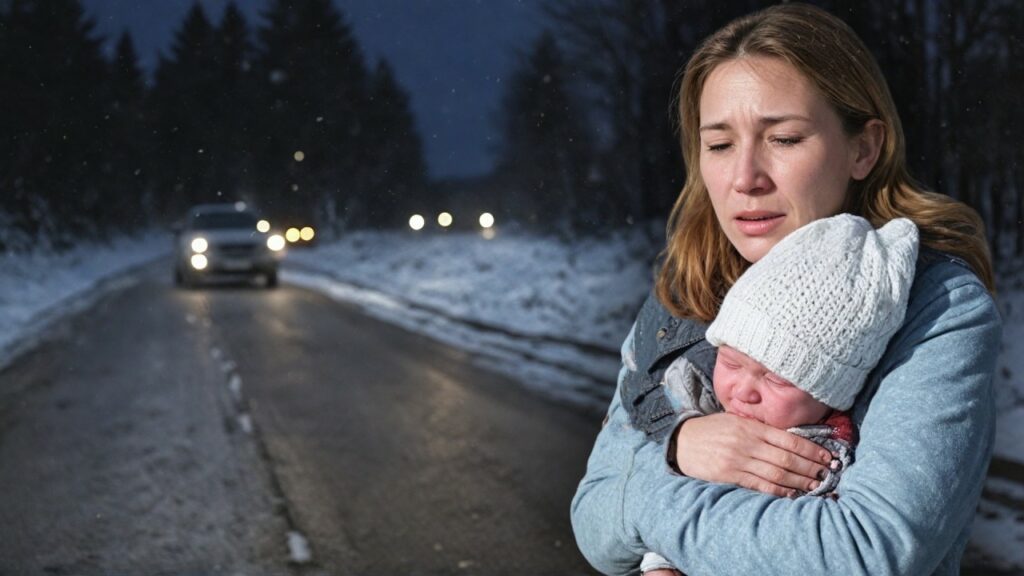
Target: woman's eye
point(787, 141)
point(717, 147)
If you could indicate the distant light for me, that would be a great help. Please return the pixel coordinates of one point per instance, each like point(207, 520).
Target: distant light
point(263, 226)
point(307, 233)
point(444, 219)
point(199, 262)
point(488, 233)
point(292, 235)
point(295, 187)
point(417, 222)
point(199, 245)
point(240, 206)
point(486, 220)
point(299, 155)
point(275, 242)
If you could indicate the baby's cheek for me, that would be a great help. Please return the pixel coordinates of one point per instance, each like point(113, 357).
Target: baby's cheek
point(719, 381)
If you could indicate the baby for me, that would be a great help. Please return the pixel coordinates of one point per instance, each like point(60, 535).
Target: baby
point(798, 334)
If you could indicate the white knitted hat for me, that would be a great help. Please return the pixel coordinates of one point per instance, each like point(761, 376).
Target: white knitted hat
point(821, 306)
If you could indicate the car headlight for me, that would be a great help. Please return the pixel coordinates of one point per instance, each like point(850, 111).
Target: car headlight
point(199, 261)
point(275, 242)
point(199, 245)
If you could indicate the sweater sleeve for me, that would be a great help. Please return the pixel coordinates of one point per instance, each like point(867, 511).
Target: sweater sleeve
point(908, 502)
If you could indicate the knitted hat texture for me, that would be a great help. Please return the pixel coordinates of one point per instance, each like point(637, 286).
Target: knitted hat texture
point(820, 307)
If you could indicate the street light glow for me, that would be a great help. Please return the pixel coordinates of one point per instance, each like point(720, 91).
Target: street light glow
point(307, 233)
point(486, 220)
point(292, 235)
point(263, 226)
point(444, 219)
point(416, 222)
point(199, 261)
point(199, 245)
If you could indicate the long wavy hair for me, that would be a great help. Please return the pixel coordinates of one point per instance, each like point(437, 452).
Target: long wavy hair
point(699, 264)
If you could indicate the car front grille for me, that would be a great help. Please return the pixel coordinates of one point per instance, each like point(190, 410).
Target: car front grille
point(236, 250)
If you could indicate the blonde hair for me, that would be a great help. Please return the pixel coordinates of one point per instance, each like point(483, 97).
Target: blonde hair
point(699, 264)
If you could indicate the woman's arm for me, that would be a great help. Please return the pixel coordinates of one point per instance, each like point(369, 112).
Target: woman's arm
point(905, 507)
point(596, 511)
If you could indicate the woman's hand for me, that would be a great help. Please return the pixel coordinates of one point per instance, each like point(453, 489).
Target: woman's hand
point(730, 449)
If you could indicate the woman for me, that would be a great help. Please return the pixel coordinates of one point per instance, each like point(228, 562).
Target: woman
point(786, 119)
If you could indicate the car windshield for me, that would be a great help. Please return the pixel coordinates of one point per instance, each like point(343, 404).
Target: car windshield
point(218, 220)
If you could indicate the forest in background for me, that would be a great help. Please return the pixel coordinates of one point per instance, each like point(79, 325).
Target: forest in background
point(288, 114)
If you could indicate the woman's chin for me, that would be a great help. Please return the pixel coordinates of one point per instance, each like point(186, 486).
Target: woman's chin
point(753, 249)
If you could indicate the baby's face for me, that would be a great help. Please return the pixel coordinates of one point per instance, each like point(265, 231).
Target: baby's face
point(746, 388)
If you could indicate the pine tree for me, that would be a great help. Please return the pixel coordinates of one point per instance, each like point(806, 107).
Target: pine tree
point(53, 76)
point(127, 182)
point(544, 151)
point(184, 116)
point(398, 171)
point(234, 107)
point(314, 82)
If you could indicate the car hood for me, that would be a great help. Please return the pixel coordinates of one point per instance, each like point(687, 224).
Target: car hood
point(228, 236)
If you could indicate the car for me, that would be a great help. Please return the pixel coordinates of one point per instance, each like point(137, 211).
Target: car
point(224, 240)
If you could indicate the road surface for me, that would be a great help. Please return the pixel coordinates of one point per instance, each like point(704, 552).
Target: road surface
point(240, 430)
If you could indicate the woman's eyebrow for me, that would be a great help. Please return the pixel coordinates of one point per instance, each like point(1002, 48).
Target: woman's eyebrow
point(764, 120)
point(715, 126)
point(772, 120)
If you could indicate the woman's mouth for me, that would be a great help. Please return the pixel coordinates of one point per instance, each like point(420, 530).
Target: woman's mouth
point(758, 222)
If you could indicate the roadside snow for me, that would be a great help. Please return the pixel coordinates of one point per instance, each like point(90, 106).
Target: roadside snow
point(38, 288)
point(587, 291)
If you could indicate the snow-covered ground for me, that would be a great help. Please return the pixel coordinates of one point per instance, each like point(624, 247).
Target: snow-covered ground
point(551, 314)
point(37, 288)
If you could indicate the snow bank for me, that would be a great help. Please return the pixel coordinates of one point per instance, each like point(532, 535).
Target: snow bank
point(37, 288)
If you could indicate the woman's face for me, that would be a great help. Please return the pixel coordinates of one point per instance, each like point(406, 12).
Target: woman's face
point(774, 155)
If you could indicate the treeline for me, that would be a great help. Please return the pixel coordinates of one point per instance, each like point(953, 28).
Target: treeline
point(591, 130)
point(287, 116)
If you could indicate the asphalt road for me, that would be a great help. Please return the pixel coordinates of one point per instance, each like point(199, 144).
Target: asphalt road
point(239, 430)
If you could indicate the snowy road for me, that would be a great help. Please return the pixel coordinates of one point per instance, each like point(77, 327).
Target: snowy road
point(242, 430)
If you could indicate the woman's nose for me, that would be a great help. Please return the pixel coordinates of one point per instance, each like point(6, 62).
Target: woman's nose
point(749, 176)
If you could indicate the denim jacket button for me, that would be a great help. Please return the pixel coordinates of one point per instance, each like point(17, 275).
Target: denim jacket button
point(661, 333)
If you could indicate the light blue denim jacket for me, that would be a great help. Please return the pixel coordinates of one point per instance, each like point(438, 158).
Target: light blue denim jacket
point(926, 419)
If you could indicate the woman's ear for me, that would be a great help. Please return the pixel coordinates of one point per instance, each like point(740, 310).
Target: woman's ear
point(866, 148)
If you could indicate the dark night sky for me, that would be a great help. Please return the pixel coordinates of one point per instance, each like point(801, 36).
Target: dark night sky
point(451, 55)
